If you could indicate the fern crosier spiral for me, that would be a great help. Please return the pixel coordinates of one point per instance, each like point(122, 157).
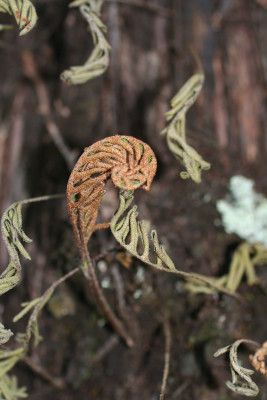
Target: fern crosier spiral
point(129, 162)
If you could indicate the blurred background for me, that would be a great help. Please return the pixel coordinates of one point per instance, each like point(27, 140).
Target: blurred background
point(45, 125)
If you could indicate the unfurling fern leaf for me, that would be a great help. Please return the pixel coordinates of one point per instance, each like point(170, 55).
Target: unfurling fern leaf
point(175, 131)
point(98, 61)
point(23, 11)
point(142, 242)
point(241, 377)
point(13, 236)
point(127, 161)
point(130, 164)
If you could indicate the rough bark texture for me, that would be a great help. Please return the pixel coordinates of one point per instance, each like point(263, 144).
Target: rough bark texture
point(44, 126)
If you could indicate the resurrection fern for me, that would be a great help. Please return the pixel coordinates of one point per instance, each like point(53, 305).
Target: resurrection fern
point(35, 307)
point(241, 377)
point(8, 359)
point(8, 384)
point(244, 213)
point(9, 389)
point(175, 131)
point(23, 11)
point(244, 261)
point(142, 242)
point(131, 164)
point(14, 236)
point(98, 61)
point(5, 334)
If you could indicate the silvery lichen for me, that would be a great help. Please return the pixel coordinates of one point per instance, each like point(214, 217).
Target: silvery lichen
point(244, 212)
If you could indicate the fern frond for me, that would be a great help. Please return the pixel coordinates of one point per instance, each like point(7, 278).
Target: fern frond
point(35, 307)
point(5, 334)
point(130, 164)
point(175, 131)
point(244, 261)
point(9, 389)
point(98, 61)
point(13, 236)
point(9, 358)
point(241, 377)
point(142, 242)
point(23, 11)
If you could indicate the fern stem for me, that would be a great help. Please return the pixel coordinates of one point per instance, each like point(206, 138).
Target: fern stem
point(100, 298)
point(167, 356)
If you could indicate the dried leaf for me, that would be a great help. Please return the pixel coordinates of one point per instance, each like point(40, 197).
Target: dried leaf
point(23, 11)
point(14, 237)
point(244, 261)
point(175, 131)
point(98, 61)
point(241, 377)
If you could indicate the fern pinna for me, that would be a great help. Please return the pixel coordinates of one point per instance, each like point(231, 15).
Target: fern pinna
point(131, 164)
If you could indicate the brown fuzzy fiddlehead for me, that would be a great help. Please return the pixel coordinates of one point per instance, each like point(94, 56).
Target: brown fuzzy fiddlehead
point(131, 164)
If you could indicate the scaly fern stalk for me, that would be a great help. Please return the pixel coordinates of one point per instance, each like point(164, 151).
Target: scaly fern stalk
point(131, 164)
point(175, 132)
point(241, 377)
point(98, 61)
point(23, 11)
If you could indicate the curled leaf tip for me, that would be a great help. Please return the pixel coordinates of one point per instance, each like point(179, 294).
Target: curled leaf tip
point(175, 131)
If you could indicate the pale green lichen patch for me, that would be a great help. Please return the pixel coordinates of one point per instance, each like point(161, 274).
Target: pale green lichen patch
point(244, 212)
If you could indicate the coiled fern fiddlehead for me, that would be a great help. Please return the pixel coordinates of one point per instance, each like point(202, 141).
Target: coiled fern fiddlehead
point(131, 164)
